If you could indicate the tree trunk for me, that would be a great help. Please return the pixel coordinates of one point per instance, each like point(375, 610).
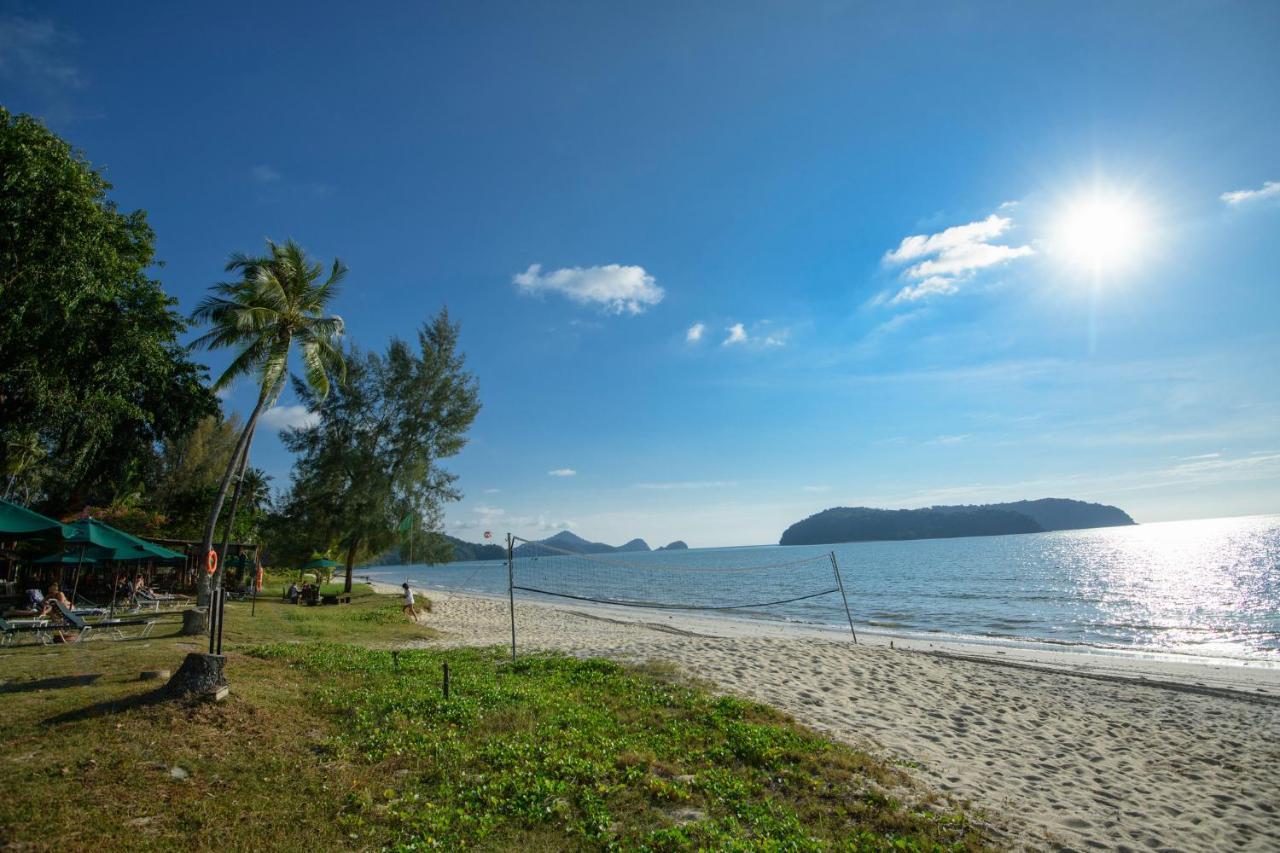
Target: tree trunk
point(231, 520)
point(351, 559)
point(202, 596)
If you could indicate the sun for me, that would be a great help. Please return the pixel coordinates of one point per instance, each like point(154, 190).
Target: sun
point(1102, 232)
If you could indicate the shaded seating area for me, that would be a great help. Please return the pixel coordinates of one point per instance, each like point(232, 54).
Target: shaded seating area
point(42, 597)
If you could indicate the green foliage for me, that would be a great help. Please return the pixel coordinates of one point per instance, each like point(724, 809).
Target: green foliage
point(556, 752)
point(372, 458)
point(92, 377)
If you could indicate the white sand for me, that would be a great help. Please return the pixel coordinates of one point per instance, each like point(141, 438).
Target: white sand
point(1074, 748)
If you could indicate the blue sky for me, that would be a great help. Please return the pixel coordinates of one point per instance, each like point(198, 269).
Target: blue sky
point(937, 252)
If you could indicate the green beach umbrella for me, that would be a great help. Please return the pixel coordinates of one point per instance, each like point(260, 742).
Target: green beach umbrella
point(72, 558)
point(18, 522)
point(123, 546)
point(322, 563)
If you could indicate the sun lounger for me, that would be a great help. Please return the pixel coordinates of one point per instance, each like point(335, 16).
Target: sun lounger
point(73, 621)
point(9, 630)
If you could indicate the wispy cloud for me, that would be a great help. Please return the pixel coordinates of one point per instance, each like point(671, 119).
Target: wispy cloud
point(562, 472)
point(939, 264)
point(264, 174)
point(1269, 189)
point(30, 54)
point(694, 333)
point(687, 484)
point(951, 439)
point(287, 417)
point(816, 488)
point(614, 288)
point(737, 335)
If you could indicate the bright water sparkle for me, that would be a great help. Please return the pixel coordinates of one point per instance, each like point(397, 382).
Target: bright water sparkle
point(1209, 587)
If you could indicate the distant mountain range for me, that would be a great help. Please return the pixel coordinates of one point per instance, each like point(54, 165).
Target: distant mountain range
point(566, 541)
point(864, 524)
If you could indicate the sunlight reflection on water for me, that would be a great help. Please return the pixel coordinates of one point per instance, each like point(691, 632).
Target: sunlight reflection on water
point(1206, 587)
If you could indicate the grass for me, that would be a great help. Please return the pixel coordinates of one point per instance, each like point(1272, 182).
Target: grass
point(334, 738)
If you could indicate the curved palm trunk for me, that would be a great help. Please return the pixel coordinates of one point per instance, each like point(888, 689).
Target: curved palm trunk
point(231, 518)
point(202, 596)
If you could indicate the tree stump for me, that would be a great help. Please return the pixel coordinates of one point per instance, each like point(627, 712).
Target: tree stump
point(195, 621)
point(199, 675)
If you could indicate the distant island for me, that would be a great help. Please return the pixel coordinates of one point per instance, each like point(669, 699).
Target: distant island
point(467, 552)
point(864, 524)
point(566, 541)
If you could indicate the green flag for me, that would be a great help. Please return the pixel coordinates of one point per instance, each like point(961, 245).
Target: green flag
point(406, 523)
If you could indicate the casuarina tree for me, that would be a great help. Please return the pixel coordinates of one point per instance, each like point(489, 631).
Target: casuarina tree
point(372, 458)
point(278, 302)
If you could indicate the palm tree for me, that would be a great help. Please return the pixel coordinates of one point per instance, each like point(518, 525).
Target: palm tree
point(279, 300)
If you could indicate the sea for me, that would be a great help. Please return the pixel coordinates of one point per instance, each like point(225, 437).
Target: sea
point(1208, 587)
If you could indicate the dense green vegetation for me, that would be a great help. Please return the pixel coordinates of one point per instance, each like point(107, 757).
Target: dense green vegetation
point(863, 524)
point(102, 410)
point(367, 472)
point(332, 741)
point(93, 379)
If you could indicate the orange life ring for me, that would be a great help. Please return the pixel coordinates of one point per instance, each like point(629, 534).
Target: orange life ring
point(213, 561)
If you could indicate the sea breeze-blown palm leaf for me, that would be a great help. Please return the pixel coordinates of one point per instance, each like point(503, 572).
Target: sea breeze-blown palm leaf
point(279, 300)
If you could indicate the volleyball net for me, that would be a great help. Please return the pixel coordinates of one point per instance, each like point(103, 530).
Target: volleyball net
point(725, 581)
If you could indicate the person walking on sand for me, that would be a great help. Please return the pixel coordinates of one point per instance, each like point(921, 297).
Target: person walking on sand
point(408, 601)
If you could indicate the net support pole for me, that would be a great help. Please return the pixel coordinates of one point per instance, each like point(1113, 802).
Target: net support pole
point(511, 590)
point(835, 567)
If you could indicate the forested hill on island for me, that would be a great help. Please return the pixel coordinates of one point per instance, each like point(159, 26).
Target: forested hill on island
point(864, 524)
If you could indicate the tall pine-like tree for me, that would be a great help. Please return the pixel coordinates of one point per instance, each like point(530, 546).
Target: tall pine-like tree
point(374, 454)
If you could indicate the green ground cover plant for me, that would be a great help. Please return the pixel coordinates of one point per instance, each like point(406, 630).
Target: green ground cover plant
point(337, 735)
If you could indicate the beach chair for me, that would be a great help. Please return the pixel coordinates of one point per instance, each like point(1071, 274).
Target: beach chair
point(114, 626)
point(38, 628)
point(74, 621)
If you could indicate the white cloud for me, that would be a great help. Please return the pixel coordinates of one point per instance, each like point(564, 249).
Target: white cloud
point(29, 52)
point(1269, 189)
point(816, 488)
point(687, 484)
point(617, 289)
point(950, 439)
point(737, 335)
point(940, 263)
point(264, 174)
point(286, 417)
point(492, 491)
point(562, 472)
point(694, 334)
point(932, 286)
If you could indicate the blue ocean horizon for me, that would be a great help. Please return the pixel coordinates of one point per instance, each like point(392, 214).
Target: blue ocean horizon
point(1207, 587)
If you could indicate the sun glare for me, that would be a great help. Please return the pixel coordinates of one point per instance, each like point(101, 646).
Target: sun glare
point(1102, 232)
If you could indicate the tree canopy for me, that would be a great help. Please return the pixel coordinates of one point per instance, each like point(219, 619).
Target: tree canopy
point(373, 456)
point(92, 376)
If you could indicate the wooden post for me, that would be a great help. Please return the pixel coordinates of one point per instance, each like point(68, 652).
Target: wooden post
point(840, 583)
point(446, 681)
point(511, 589)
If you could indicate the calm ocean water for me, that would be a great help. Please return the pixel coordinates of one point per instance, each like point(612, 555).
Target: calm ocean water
point(1209, 587)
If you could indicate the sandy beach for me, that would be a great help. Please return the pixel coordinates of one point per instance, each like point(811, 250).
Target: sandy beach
point(1074, 749)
